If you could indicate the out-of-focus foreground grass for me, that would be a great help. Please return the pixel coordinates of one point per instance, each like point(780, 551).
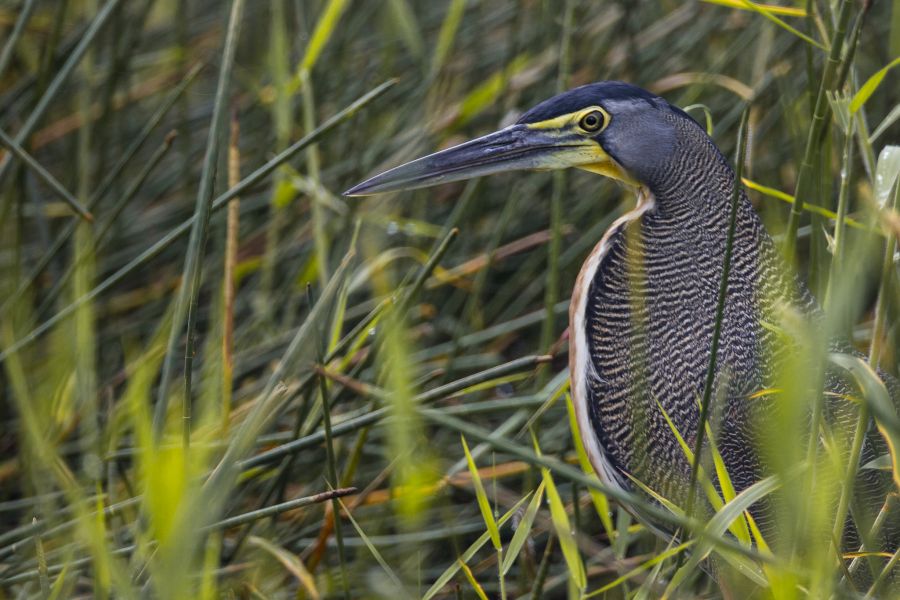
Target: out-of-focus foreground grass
point(208, 353)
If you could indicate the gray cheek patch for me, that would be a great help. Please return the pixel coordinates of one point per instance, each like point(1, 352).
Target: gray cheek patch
point(639, 137)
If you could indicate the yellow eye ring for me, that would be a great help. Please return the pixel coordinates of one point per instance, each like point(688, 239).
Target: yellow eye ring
point(593, 121)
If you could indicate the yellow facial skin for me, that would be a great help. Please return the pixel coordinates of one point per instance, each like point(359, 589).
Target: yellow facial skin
point(589, 155)
point(559, 143)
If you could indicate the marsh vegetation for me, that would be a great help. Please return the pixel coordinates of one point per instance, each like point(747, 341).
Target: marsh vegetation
point(221, 378)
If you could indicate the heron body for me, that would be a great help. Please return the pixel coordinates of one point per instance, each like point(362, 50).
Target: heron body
point(642, 314)
point(642, 319)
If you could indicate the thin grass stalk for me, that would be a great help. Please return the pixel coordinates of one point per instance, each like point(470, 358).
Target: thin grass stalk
point(109, 220)
point(49, 51)
point(537, 586)
point(500, 573)
point(817, 241)
point(278, 63)
point(331, 463)
point(648, 509)
point(56, 86)
point(21, 20)
point(317, 552)
point(350, 425)
point(191, 274)
point(272, 396)
point(873, 532)
point(805, 178)
point(124, 38)
point(878, 333)
point(60, 569)
point(231, 248)
point(883, 576)
point(551, 293)
point(879, 323)
point(847, 62)
point(408, 294)
point(105, 185)
point(840, 223)
point(278, 483)
point(426, 271)
point(859, 434)
point(471, 311)
point(84, 319)
point(176, 233)
point(737, 190)
point(446, 37)
point(277, 509)
point(43, 575)
point(45, 176)
point(320, 232)
point(182, 51)
point(18, 537)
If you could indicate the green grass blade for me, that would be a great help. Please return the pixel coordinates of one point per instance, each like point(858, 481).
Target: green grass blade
point(479, 591)
point(246, 183)
point(659, 558)
point(21, 20)
point(889, 120)
point(191, 273)
point(649, 509)
point(522, 530)
point(871, 85)
point(291, 562)
point(812, 152)
point(878, 400)
point(470, 552)
point(601, 503)
point(484, 504)
point(811, 208)
point(720, 306)
point(325, 27)
point(45, 176)
point(564, 532)
point(562, 527)
point(720, 522)
point(788, 11)
point(400, 588)
point(405, 20)
point(447, 34)
point(57, 85)
point(769, 14)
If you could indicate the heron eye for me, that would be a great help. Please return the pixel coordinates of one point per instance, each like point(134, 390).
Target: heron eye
point(592, 121)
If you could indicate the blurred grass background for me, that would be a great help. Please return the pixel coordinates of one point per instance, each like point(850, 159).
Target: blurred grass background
point(200, 336)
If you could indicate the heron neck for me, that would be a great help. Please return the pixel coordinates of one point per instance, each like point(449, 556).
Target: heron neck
point(695, 188)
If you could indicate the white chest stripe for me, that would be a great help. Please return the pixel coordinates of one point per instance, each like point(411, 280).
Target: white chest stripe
point(581, 367)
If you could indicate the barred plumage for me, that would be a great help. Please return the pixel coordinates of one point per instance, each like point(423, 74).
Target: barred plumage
point(643, 310)
point(649, 317)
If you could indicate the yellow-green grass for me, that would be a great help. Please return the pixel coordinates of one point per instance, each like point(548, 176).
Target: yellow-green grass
point(380, 408)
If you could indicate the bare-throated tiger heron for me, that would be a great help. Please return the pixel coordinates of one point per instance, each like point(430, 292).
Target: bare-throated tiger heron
point(642, 313)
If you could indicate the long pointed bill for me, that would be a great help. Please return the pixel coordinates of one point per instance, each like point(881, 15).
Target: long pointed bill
point(513, 148)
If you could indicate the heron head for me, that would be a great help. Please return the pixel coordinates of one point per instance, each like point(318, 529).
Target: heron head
point(611, 128)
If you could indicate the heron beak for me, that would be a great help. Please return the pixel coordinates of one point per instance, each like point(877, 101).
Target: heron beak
point(516, 147)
